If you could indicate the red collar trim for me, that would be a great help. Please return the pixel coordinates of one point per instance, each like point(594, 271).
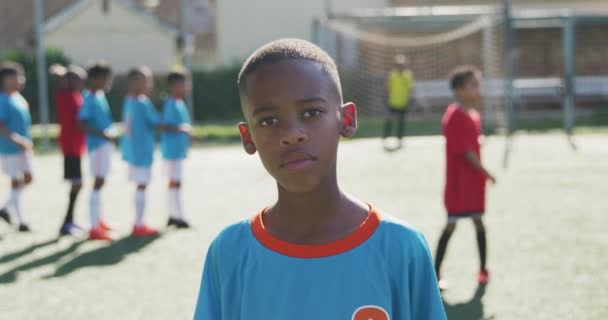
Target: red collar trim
point(351, 241)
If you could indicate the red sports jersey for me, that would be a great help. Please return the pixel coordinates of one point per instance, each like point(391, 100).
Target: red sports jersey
point(71, 138)
point(465, 186)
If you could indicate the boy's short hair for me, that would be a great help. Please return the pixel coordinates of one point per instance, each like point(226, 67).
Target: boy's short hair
point(176, 76)
point(461, 75)
point(139, 71)
point(99, 70)
point(74, 71)
point(289, 49)
point(9, 69)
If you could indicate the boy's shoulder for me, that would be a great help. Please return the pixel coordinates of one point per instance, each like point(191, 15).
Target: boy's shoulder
point(399, 230)
point(233, 237)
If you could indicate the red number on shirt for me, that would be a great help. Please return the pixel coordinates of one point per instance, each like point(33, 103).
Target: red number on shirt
point(370, 313)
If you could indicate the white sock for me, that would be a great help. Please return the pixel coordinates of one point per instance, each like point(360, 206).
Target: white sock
point(175, 203)
point(14, 200)
point(94, 206)
point(140, 205)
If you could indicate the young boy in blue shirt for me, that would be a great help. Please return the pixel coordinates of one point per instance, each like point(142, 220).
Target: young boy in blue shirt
point(137, 146)
point(175, 141)
point(316, 253)
point(95, 119)
point(15, 139)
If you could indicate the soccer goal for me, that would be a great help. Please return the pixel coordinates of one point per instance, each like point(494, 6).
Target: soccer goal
point(542, 66)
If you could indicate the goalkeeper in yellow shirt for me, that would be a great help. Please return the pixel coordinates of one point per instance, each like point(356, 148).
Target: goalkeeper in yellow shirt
point(399, 85)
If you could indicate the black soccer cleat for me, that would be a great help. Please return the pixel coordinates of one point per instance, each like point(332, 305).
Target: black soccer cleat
point(182, 224)
point(24, 228)
point(5, 216)
point(172, 222)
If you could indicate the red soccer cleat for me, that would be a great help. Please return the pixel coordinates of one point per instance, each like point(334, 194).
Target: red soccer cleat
point(99, 233)
point(483, 277)
point(103, 225)
point(144, 231)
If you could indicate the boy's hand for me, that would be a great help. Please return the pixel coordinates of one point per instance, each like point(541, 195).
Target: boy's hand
point(187, 129)
point(110, 136)
point(490, 177)
point(22, 142)
point(25, 144)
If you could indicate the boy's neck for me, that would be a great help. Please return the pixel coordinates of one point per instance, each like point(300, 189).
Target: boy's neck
point(466, 106)
point(322, 215)
point(176, 97)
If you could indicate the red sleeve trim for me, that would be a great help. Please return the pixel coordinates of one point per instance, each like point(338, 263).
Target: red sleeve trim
point(351, 241)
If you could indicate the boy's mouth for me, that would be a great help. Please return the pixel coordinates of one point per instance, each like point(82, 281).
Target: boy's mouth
point(297, 160)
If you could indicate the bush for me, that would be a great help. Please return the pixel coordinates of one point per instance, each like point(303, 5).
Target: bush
point(215, 92)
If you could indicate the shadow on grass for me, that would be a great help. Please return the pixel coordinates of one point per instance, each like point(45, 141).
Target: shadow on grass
point(25, 251)
point(470, 310)
point(11, 275)
point(111, 254)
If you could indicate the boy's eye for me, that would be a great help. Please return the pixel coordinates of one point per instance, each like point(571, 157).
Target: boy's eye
point(311, 113)
point(267, 122)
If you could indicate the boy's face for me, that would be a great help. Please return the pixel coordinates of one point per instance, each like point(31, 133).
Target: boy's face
point(470, 93)
point(102, 83)
point(74, 82)
point(14, 83)
point(142, 84)
point(179, 89)
point(294, 120)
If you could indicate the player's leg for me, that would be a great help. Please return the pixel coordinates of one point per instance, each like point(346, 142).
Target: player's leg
point(72, 173)
point(481, 245)
point(10, 168)
point(388, 124)
point(18, 167)
point(443, 245)
point(100, 162)
point(141, 176)
point(176, 213)
point(401, 126)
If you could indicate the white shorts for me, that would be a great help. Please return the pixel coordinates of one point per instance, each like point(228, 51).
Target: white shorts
point(15, 165)
point(140, 175)
point(173, 170)
point(100, 159)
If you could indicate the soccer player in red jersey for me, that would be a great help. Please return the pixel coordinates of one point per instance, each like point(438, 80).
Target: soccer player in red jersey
point(466, 177)
point(68, 100)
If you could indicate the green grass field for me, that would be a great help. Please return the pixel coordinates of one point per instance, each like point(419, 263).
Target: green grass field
point(546, 221)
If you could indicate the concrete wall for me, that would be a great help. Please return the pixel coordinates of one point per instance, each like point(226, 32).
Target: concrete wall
point(242, 26)
point(122, 37)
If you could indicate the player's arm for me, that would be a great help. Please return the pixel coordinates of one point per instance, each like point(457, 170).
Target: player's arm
point(473, 160)
point(171, 122)
point(425, 300)
point(84, 126)
point(22, 142)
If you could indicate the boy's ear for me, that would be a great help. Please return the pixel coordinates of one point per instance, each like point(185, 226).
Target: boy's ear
point(349, 120)
point(248, 144)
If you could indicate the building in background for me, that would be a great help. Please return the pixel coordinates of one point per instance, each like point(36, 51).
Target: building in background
point(123, 32)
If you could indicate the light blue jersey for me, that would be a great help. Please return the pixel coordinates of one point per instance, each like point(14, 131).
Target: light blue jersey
point(95, 111)
point(174, 145)
point(15, 116)
point(140, 121)
point(382, 271)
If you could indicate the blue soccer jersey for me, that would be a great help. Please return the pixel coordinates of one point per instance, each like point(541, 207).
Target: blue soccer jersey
point(382, 271)
point(140, 121)
point(95, 111)
point(174, 145)
point(15, 115)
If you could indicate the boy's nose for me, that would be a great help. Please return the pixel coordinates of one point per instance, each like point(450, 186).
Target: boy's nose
point(293, 134)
